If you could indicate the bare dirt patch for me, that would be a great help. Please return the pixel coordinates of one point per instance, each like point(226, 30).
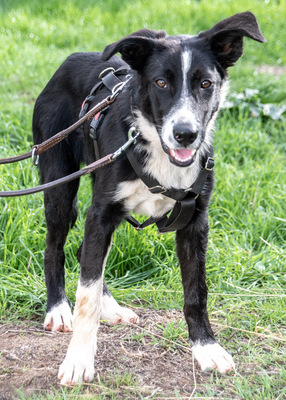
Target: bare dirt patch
point(30, 357)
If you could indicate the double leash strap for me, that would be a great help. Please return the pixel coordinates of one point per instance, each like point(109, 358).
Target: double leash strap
point(84, 171)
point(108, 79)
point(185, 205)
point(39, 149)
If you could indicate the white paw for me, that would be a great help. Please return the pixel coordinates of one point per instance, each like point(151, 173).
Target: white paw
point(213, 356)
point(59, 318)
point(114, 314)
point(78, 366)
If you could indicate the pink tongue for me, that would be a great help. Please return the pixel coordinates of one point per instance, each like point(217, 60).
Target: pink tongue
point(182, 154)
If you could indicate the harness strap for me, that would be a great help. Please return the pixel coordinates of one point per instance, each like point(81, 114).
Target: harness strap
point(108, 78)
point(113, 80)
point(156, 188)
point(179, 217)
point(185, 205)
point(198, 185)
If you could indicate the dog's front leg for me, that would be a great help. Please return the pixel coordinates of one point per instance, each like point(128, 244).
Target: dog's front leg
point(191, 249)
point(78, 365)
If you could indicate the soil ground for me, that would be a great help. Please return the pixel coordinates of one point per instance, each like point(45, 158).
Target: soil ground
point(30, 357)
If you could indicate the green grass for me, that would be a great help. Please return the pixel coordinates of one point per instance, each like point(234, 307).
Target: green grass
point(246, 258)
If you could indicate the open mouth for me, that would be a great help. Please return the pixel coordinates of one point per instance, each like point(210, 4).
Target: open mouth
point(182, 157)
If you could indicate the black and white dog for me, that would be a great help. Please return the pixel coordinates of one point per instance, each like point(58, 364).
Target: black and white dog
point(174, 89)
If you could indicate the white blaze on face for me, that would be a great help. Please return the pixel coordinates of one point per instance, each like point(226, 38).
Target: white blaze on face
point(186, 65)
point(180, 113)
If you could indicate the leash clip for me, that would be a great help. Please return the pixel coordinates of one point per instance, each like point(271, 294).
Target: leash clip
point(130, 141)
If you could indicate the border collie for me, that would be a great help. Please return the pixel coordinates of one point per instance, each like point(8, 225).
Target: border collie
point(171, 95)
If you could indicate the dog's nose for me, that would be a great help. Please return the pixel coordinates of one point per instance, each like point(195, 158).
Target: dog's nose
point(185, 134)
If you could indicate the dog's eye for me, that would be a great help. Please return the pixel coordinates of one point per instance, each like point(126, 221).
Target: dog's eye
point(161, 83)
point(206, 84)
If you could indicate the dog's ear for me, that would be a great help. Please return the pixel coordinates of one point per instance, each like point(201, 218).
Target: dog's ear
point(136, 48)
point(226, 37)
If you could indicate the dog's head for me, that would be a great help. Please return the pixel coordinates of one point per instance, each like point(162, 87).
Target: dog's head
point(181, 80)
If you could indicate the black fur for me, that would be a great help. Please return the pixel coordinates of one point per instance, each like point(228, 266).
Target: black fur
point(151, 56)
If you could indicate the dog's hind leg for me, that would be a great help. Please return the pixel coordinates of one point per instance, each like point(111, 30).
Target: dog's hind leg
point(112, 313)
point(60, 209)
point(52, 113)
point(61, 214)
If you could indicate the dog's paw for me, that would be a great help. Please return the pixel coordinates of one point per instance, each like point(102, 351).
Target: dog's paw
point(113, 313)
point(59, 318)
point(120, 316)
point(78, 366)
point(213, 356)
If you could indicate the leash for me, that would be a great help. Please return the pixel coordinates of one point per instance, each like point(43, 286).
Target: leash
point(132, 135)
point(38, 149)
point(181, 214)
point(85, 115)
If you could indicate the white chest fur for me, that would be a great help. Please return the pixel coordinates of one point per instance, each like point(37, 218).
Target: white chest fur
point(137, 198)
point(136, 195)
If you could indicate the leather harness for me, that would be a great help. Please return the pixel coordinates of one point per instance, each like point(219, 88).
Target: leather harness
point(184, 208)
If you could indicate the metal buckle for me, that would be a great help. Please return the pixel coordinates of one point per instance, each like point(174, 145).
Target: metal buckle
point(207, 168)
point(118, 88)
point(191, 190)
point(109, 69)
point(35, 160)
point(159, 187)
